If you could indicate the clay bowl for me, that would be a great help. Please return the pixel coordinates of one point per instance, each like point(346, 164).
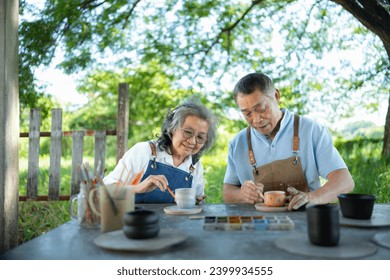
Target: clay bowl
point(356, 206)
point(140, 217)
point(141, 224)
point(274, 198)
point(185, 198)
point(142, 232)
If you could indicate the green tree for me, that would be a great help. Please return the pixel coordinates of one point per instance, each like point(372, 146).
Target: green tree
point(202, 43)
point(375, 15)
point(152, 94)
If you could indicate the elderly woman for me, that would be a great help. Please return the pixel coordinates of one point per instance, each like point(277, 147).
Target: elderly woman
point(171, 161)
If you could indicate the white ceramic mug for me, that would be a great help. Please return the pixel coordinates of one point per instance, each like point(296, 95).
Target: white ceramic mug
point(185, 197)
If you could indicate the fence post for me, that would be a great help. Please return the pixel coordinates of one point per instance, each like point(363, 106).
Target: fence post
point(77, 159)
point(100, 150)
point(55, 154)
point(33, 153)
point(122, 120)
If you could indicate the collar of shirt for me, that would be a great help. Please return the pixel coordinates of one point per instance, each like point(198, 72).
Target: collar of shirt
point(287, 115)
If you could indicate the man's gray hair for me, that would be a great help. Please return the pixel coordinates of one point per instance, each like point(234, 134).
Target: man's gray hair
point(254, 81)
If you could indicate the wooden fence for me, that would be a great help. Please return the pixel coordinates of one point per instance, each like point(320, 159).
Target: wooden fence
point(56, 134)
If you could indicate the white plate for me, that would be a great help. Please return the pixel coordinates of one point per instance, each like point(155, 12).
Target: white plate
point(116, 240)
point(261, 207)
point(175, 210)
point(382, 239)
point(346, 249)
point(380, 218)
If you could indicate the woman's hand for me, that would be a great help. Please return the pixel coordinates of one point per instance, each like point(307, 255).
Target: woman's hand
point(152, 182)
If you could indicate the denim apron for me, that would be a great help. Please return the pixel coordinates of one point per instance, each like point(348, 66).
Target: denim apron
point(280, 174)
point(177, 178)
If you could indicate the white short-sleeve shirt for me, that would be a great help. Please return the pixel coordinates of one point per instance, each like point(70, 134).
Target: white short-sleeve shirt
point(136, 159)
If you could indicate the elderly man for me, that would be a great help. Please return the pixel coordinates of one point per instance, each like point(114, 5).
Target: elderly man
point(280, 151)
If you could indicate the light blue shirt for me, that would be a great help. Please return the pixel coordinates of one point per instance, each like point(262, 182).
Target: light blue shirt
point(318, 155)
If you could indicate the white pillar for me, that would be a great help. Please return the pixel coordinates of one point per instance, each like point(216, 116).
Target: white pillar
point(9, 124)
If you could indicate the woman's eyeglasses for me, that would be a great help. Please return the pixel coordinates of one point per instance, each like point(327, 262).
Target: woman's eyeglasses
point(189, 133)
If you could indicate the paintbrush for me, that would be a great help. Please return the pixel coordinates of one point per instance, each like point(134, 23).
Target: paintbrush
point(112, 202)
point(171, 192)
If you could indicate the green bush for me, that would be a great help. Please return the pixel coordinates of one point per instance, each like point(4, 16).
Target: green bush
point(369, 169)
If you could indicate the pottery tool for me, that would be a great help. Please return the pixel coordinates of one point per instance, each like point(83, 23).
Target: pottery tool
point(137, 178)
point(200, 199)
point(127, 178)
point(120, 177)
point(171, 192)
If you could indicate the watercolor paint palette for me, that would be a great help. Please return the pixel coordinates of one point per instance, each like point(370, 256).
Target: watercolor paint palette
point(248, 223)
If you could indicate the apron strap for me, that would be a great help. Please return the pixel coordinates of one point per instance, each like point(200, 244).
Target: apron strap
point(154, 154)
point(250, 150)
point(295, 146)
point(296, 136)
point(296, 139)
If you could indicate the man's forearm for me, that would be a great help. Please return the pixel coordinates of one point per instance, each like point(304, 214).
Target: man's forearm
point(231, 194)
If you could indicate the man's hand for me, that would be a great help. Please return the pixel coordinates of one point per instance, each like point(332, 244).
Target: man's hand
point(298, 198)
point(251, 192)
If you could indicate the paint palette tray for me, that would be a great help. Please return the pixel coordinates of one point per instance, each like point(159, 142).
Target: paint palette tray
point(248, 223)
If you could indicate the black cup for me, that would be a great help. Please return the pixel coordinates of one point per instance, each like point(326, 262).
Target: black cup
point(323, 224)
point(141, 224)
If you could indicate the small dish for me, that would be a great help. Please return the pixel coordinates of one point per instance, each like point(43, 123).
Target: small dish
point(263, 208)
point(175, 210)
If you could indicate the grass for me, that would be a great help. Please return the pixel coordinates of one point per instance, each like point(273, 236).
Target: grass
point(369, 169)
point(38, 217)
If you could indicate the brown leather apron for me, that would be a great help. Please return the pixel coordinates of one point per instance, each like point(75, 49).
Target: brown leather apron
point(280, 174)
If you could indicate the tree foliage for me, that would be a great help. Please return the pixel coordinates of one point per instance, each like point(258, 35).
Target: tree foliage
point(169, 49)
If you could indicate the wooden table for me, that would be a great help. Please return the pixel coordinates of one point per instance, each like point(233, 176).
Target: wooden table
point(70, 242)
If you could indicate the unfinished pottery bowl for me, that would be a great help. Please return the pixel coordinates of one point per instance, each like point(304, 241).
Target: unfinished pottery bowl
point(274, 198)
point(356, 206)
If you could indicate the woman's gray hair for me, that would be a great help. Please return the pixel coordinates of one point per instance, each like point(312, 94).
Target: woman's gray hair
point(175, 119)
point(254, 81)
